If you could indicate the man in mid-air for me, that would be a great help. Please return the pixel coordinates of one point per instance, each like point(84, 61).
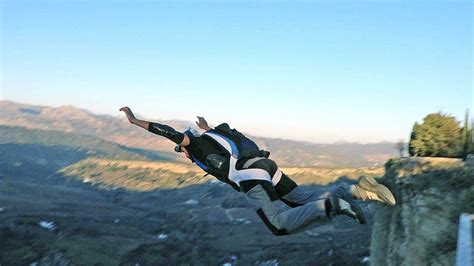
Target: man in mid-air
point(236, 160)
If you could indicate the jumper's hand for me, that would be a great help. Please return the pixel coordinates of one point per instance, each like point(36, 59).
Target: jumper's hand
point(202, 123)
point(129, 113)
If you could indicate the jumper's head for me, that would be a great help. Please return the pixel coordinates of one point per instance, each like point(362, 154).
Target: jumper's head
point(191, 133)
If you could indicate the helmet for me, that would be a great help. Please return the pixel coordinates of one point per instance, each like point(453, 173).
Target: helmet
point(191, 133)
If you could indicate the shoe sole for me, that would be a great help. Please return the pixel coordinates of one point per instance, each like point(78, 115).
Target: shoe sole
point(359, 213)
point(370, 184)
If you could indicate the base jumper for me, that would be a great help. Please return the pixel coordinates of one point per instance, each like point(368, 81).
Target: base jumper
point(236, 160)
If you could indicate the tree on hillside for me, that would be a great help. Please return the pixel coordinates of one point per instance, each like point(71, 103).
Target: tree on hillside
point(439, 135)
point(471, 138)
point(411, 148)
point(466, 139)
point(401, 147)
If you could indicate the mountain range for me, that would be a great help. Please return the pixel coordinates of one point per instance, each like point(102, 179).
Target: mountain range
point(79, 122)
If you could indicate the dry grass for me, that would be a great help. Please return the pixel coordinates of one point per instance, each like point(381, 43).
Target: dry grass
point(145, 175)
point(441, 162)
point(178, 168)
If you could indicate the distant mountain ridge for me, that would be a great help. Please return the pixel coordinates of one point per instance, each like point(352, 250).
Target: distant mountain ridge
point(117, 130)
point(91, 145)
point(78, 121)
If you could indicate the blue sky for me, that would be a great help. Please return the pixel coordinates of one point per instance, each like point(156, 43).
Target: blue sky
point(316, 71)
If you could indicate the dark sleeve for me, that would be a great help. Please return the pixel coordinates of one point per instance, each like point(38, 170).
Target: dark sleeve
point(166, 131)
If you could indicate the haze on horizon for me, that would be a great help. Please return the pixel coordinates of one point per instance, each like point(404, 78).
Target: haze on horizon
point(320, 72)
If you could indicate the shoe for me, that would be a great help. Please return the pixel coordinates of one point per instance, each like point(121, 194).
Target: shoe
point(369, 189)
point(341, 202)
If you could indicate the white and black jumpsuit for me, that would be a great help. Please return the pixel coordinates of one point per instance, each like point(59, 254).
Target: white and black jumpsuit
point(266, 187)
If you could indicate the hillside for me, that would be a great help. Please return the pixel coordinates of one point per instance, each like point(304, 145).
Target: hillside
point(328, 155)
point(78, 121)
point(208, 223)
point(147, 176)
point(92, 145)
point(117, 130)
point(40, 153)
point(72, 195)
point(128, 212)
point(422, 228)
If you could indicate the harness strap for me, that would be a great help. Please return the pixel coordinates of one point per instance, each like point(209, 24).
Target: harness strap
point(228, 144)
point(238, 176)
point(249, 162)
point(201, 165)
point(276, 176)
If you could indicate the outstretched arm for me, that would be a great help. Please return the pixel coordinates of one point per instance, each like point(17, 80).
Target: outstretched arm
point(202, 123)
point(159, 129)
point(133, 120)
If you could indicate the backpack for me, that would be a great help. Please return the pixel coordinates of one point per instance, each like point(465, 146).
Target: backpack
point(246, 147)
point(237, 144)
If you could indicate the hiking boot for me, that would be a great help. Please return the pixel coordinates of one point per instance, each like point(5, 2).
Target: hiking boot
point(368, 189)
point(341, 202)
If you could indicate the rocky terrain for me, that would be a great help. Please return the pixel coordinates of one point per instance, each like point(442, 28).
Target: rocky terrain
point(63, 206)
point(422, 228)
point(66, 220)
point(70, 199)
